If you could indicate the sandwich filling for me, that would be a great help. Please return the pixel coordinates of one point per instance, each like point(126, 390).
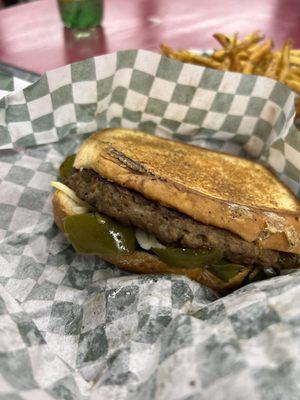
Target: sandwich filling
point(169, 226)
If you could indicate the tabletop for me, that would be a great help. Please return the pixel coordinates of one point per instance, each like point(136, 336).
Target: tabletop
point(32, 36)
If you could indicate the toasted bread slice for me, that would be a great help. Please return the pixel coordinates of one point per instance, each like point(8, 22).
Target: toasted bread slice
point(213, 188)
point(146, 263)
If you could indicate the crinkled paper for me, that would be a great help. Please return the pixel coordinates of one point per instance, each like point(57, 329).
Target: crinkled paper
point(75, 327)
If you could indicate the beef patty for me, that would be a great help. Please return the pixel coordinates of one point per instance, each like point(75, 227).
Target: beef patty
point(169, 226)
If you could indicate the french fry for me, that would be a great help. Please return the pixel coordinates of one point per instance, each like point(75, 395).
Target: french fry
point(259, 53)
point(250, 55)
point(166, 50)
point(248, 68)
point(233, 42)
point(250, 42)
point(295, 60)
point(222, 39)
point(236, 64)
point(272, 68)
point(202, 60)
point(285, 60)
point(294, 85)
point(295, 52)
point(219, 55)
point(294, 72)
point(225, 66)
point(243, 55)
point(255, 34)
point(189, 57)
point(292, 76)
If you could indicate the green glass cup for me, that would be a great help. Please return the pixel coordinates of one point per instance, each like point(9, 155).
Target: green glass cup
point(81, 14)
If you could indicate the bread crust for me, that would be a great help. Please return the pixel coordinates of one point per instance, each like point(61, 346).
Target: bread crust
point(143, 262)
point(272, 228)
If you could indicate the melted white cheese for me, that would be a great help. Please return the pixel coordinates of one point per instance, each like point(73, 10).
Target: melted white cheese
point(147, 240)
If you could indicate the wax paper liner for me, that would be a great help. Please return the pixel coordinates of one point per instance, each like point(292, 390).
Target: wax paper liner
point(75, 327)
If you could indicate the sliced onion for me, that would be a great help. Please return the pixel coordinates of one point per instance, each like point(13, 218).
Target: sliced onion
point(80, 210)
point(147, 240)
point(70, 193)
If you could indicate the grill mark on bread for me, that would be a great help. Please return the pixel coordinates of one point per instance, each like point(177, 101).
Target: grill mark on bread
point(128, 162)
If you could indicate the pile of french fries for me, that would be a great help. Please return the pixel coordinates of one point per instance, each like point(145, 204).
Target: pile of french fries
point(251, 55)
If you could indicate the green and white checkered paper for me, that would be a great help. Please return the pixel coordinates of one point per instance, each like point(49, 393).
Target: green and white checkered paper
point(75, 327)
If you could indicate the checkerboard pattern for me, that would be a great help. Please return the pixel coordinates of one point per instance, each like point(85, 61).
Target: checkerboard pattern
point(74, 327)
point(10, 83)
point(241, 114)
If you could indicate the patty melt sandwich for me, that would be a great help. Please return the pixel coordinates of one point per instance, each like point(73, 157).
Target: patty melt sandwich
point(152, 205)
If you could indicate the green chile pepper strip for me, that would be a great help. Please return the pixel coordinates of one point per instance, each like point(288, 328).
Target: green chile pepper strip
point(188, 258)
point(98, 234)
point(225, 271)
point(66, 168)
point(191, 258)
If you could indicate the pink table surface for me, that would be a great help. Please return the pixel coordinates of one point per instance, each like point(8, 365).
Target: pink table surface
point(33, 37)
